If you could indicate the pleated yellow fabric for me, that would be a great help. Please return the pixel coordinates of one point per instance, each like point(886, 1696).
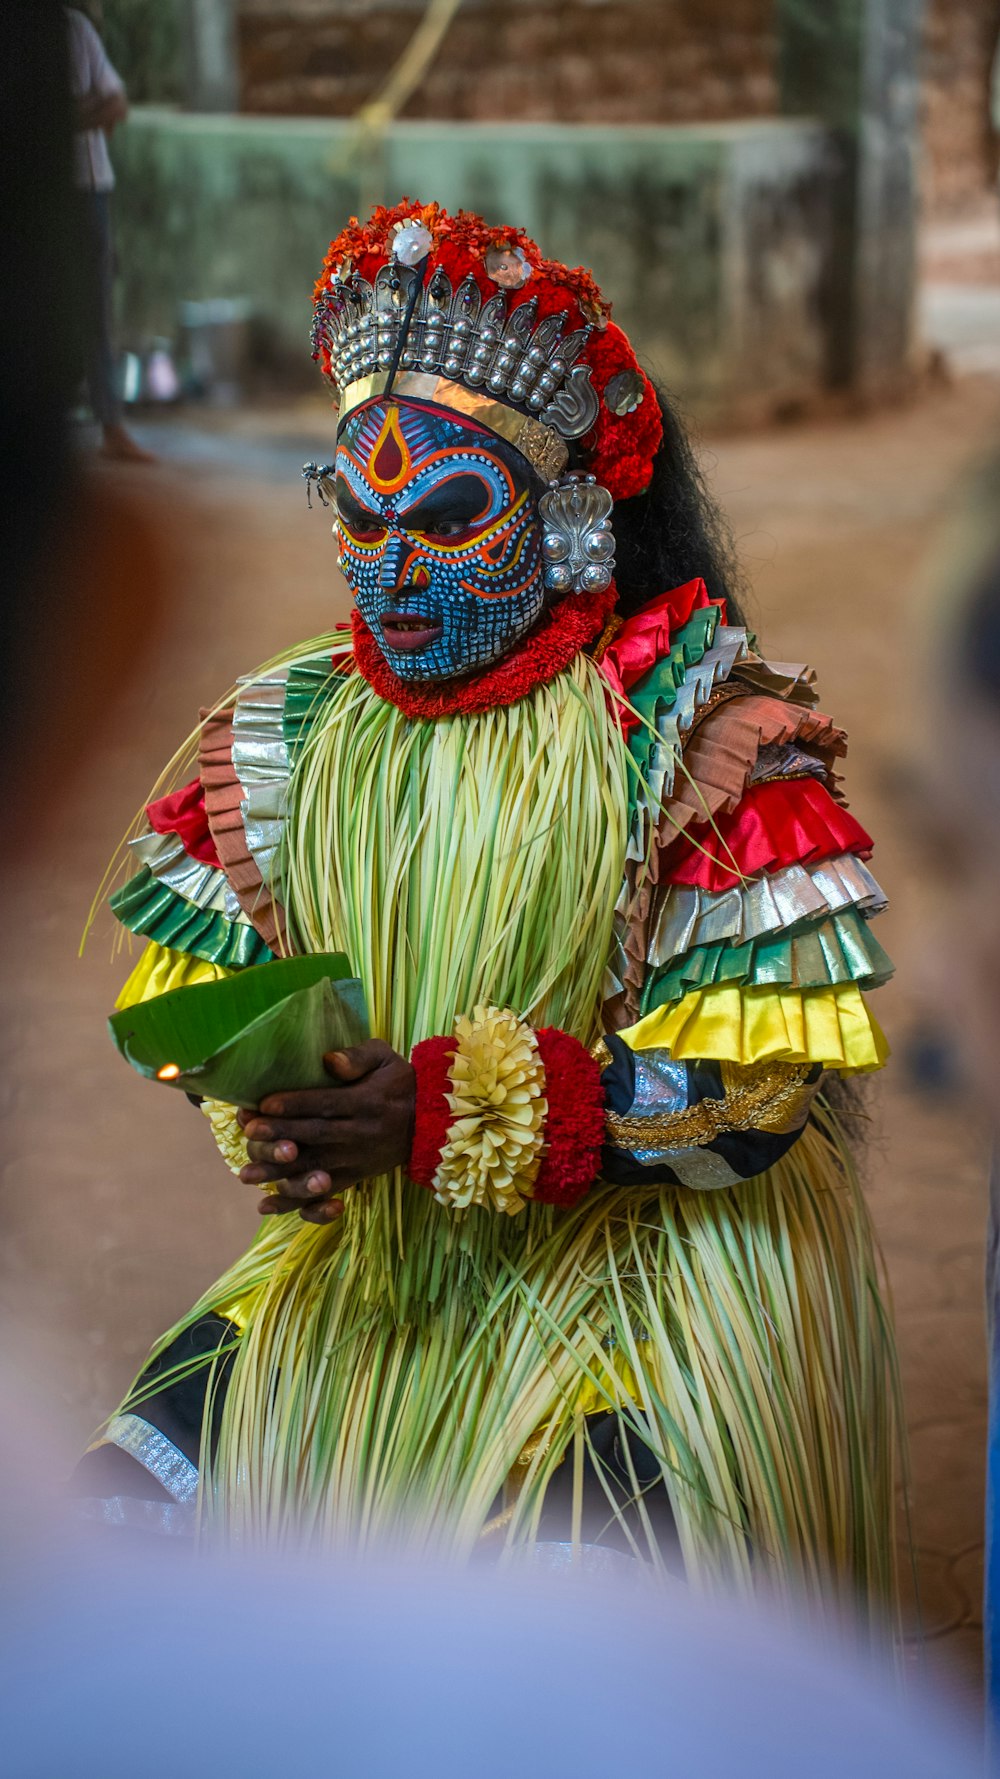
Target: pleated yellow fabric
point(729, 1023)
point(159, 970)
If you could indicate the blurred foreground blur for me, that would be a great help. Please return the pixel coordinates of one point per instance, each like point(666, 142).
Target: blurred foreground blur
point(118, 1658)
point(110, 1669)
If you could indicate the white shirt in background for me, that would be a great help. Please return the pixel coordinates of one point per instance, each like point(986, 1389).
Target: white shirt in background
point(90, 75)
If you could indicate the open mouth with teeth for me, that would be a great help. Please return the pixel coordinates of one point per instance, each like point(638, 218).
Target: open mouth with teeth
point(408, 632)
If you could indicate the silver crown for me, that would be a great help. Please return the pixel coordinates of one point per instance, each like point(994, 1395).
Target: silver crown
point(455, 334)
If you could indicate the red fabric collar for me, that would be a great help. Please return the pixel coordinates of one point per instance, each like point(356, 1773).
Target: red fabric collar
point(570, 626)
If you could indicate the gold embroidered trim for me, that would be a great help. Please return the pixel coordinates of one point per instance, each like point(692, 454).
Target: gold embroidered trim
point(719, 695)
point(544, 448)
point(771, 1096)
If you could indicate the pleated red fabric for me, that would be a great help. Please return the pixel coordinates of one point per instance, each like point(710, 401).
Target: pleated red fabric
point(783, 822)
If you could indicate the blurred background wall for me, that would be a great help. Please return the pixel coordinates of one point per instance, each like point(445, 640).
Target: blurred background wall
point(603, 61)
point(741, 174)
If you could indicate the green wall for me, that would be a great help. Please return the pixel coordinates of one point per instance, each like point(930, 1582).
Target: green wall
point(712, 241)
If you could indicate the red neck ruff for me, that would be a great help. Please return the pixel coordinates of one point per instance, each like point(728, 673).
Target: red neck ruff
point(569, 627)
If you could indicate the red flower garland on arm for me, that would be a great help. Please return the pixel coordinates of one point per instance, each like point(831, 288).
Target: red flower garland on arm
point(574, 1123)
point(574, 1128)
point(431, 1061)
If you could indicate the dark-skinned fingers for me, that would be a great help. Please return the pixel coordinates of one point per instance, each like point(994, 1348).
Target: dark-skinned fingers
point(277, 1205)
point(309, 1133)
point(301, 1185)
point(339, 1153)
point(263, 1173)
point(281, 1204)
point(327, 1212)
point(359, 1059)
point(317, 1184)
point(312, 1103)
point(304, 1189)
point(262, 1165)
point(277, 1155)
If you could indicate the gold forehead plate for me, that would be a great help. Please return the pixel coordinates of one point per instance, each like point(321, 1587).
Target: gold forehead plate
point(547, 453)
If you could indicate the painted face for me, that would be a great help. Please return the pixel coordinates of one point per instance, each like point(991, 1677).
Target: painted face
point(440, 541)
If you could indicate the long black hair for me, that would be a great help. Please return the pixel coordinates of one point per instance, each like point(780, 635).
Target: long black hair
point(674, 530)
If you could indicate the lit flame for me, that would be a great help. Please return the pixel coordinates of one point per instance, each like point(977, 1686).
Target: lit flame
point(169, 1071)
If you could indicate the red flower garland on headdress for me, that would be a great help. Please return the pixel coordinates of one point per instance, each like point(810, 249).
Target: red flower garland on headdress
point(620, 449)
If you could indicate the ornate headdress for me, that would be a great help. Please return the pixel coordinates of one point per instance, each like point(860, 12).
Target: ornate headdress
point(449, 310)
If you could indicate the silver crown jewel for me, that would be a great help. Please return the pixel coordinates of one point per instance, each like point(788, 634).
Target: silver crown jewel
point(453, 333)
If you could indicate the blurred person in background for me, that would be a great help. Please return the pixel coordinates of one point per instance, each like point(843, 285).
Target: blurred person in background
point(966, 776)
point(99, 107)
point(77, 556)
point(609, 1279)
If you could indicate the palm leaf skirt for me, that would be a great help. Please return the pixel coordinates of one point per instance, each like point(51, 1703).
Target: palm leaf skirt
point(741, 1334)
point(400, 1372)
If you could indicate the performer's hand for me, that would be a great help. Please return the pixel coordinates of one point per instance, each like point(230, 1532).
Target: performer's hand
point(325, 1139)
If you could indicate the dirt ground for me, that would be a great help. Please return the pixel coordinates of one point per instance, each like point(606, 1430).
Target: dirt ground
point(117, 1210)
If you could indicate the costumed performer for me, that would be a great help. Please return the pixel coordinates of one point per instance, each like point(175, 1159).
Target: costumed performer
point(572, 1251)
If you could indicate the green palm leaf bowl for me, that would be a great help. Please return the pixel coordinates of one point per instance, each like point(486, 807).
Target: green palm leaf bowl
point(264, 1030)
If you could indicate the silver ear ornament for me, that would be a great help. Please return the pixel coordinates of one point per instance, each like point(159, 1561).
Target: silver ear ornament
point(577, 541)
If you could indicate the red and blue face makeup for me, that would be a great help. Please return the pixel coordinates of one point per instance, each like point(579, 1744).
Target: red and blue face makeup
point(441, 544)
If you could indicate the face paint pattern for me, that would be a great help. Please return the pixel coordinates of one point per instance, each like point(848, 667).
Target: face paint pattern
point(438, 530)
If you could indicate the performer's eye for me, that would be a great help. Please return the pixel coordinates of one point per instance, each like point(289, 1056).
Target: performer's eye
point(364, 526)
point(370, 533)
point(444, 528)
point(459, 508)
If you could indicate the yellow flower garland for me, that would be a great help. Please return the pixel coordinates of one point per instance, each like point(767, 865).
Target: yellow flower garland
point(494, 1145)
point(228, 1133)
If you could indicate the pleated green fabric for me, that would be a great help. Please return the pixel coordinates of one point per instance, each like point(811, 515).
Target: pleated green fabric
point(657, 692)
point(311, 683)
point(146, 906)
point(838, 948)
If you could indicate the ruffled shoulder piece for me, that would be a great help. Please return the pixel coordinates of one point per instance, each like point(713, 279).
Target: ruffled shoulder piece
point(783, 901)
point(841, 948)
point(247, 754)
point(779, 679)
point(655, 931)
point(666, 705)
point(742, 928)
point(183, 903)
point(737, 829)
point(183, 814)
point(832, 1026)
point(777, 823)
point(749, 738)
